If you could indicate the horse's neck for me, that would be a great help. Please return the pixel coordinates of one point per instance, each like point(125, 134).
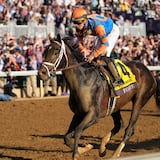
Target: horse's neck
point(78, 72)
point(74, 73)
point(80, 75)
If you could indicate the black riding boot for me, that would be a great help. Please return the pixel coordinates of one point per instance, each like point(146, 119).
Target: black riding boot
point(113, 69)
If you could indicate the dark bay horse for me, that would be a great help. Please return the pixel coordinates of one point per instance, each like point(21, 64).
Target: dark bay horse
point(89, 94)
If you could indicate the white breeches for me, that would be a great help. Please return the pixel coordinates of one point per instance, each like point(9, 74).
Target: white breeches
point(112, 39)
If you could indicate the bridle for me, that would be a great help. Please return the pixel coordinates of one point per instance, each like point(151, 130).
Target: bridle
point(58, 60)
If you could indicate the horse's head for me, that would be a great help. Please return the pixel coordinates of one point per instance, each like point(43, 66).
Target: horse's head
point(54, 57)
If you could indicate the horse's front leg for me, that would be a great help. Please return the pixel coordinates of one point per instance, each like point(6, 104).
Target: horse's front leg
point(88, 120)
point(68, 139)
point(118, 124)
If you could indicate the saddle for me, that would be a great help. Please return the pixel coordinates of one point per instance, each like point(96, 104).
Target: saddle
point(116, 91)
point(125, 74)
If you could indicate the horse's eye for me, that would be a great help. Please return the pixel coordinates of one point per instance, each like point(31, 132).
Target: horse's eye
point(56, 52)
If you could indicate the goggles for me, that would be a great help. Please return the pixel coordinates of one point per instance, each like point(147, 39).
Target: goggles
point(77, 21)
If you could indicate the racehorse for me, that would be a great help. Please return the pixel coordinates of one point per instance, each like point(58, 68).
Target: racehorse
point(89, 94)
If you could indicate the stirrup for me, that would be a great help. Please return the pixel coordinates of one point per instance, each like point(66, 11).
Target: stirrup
point(118, 82)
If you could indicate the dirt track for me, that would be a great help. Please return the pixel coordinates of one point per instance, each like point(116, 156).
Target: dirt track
point(34, 129)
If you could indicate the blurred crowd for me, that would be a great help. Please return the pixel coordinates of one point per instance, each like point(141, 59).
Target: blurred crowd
point(43, 11)
point(143, 49)
point(25, 53)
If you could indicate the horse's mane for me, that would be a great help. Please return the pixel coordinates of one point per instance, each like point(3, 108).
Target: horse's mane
point(72, 44)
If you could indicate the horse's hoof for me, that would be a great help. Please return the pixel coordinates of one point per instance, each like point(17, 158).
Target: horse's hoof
point(76, 157)
point(87, 148)
point(115, 156)
point(102, 154)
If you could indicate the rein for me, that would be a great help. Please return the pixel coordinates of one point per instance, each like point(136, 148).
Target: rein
point(72, 66)
point(58, 60)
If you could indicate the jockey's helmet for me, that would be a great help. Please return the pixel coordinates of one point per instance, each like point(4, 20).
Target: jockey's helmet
point(78, 15)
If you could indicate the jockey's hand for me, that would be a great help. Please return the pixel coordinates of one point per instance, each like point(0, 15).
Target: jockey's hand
point(86, 52)
point(89, 58)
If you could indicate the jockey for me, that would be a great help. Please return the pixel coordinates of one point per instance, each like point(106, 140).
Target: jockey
point(104, 29)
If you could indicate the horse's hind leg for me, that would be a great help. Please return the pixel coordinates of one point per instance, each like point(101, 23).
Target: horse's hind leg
point(118, 124)
point(129, 130)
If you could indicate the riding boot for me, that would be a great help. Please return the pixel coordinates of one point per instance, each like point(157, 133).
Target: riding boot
point(113, 69)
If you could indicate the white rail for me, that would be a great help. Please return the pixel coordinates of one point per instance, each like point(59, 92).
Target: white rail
point(35, 72)
point(22, 73)
point(30, 73)
point(154, 68)
point(25, 74)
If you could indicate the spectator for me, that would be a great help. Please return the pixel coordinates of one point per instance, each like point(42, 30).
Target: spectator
point(1, 61)
point(38, 50)
point(61, 28)
point(6, 89)
point(10, 62)
point(63, 85)
point(49, 17)
point(31, 81)
point(53, 82)
point(20, 59)
point(58, 18)
point(30, 49)
point(4, 96)
point(9, 66)
point(53, 79)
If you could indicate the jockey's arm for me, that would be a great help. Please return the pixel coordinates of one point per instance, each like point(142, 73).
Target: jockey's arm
point(80, 35)
point(83, 50)
point(100, 32)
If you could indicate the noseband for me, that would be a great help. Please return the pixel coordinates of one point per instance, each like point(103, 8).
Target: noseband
point(58, 60)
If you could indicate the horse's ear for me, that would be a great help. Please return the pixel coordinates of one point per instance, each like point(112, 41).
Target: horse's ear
point(59, 38)
point(52, 40)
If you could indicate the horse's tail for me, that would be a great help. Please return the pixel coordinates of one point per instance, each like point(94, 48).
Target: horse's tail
point(157, 94)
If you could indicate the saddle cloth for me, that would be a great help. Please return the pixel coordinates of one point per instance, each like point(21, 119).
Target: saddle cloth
point(127, 76)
